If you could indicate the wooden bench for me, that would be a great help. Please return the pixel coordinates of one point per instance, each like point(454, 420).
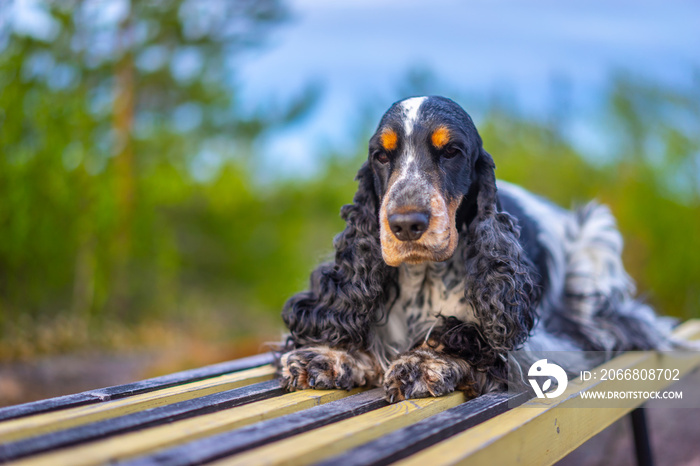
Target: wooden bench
point(236, 413)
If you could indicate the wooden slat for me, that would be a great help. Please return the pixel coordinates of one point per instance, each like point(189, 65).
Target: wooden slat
point(16, 429)
point(214, 436)
point(688, 331)
point(132, 444)
point(135, 388)
point(543, 431)
point(140, 420)
point(235, 441)
point(409, 440)
point(317, 445)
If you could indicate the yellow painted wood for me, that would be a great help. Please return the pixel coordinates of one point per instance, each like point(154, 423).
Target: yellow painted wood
point(330, 440)
point(137, 443)
point(16, 429)
point(689, 330)
point(545, 431)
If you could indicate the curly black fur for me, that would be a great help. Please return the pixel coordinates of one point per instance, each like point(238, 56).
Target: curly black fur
point(501, 281)
point(346, 296)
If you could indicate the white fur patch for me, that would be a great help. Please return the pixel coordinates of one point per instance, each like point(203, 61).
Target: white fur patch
point(425, 290)
point(408, 167)
point(410, 107)
point(410, 115)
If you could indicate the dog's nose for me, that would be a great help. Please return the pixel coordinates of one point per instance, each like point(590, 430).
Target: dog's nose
point(409, 227)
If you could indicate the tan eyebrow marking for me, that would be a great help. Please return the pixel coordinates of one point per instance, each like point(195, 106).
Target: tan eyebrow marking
point(389, 139)
point(440, 137)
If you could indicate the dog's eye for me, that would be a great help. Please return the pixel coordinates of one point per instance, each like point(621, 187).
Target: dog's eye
point(451, 152)
point(381, 157)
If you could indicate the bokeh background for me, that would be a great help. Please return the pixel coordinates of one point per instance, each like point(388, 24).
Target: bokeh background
point(170, 171)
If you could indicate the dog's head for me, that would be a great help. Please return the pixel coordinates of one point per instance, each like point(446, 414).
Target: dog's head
point(425, 156)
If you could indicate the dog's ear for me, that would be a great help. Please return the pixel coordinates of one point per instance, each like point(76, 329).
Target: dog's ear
point(501, 283)
point(347, 295)
point(360, 239)
point(485, 179)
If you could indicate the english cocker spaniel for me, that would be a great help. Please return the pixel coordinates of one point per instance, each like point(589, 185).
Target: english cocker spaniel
point(441, 272)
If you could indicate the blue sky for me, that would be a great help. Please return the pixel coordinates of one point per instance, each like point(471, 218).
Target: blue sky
point(359, 51)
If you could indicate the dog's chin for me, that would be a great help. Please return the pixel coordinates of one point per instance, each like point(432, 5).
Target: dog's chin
point(396, 252)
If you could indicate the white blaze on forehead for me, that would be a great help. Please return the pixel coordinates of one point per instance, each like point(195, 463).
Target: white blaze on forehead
point(410, 107)
point(408, 167)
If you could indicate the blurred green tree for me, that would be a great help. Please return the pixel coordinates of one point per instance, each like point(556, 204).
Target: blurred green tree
point(110, 114)
point(128, 195)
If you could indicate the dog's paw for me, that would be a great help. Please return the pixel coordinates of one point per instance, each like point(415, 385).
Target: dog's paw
point(421, 373)
point(325, 368)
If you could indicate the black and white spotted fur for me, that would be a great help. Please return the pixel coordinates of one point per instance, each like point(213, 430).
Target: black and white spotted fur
point(497, 269)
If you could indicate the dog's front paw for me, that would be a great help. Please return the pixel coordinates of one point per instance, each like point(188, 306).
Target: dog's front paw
point(325, 368)
point(422, 373)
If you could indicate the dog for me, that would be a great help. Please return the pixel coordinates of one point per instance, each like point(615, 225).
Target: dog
point(441, 271)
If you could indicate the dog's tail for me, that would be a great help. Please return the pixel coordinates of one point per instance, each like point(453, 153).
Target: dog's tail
point(599, 294)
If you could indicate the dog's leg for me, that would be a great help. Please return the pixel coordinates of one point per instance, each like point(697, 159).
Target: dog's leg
point(326, 368)
point(425, 372)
